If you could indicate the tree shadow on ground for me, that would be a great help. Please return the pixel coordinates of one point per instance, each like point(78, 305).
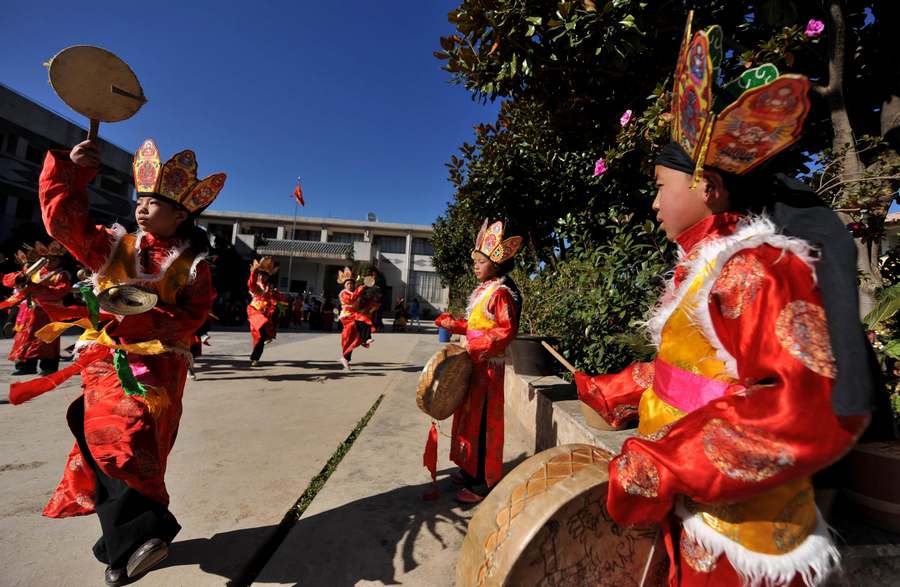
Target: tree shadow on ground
point(370, 539)
point(217, 368)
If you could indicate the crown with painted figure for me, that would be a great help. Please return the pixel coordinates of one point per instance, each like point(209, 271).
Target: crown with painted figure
point(31, 253)
point(345, 275)
point(741, 124)
point(265, 265)
point(490, 243)
point(176, 179)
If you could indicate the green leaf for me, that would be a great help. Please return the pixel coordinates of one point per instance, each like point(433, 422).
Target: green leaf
point(628, 22)
point(537, 20)
point(892, 349)
point(887, 306)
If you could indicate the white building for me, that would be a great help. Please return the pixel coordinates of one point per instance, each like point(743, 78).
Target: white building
point(310, 258)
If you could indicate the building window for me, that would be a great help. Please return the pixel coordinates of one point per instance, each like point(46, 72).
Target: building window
point(307, 235)
point(422, 246)
point(34, 155)
point(345, 237)
point(390, 244)
point(427, 286)
point(12, 142)
point(264, 231)
point(114, 185)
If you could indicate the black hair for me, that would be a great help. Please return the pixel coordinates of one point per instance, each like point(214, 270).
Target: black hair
point(197, 238)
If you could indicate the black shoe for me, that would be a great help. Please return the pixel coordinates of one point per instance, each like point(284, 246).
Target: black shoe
point(115, 577)
point(19, 372)
point(147, 556)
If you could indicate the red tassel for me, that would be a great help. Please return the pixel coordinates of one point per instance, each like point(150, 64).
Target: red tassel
point(429, 460)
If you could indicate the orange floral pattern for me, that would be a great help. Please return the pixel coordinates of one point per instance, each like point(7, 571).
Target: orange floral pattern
point(743, 452)
point(802, 331)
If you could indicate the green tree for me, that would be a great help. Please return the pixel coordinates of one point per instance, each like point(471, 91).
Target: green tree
point(566, 71)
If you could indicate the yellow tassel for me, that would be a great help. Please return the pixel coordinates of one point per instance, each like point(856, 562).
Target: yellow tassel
point(156, 400)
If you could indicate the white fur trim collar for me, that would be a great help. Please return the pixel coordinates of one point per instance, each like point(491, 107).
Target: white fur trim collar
point(752, 232)
point(485, 289)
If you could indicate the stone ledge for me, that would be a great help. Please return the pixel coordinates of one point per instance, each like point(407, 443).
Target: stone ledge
point(547, 409)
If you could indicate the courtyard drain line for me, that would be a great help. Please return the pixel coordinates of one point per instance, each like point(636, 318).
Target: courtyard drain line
point(265, 552)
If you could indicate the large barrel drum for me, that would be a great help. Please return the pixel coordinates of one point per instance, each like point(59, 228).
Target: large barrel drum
point(546, 524)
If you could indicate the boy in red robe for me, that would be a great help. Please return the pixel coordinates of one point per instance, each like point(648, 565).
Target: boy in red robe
point(133, 367)
point(49, 284)
point(262, 311)
point(761, 376)
point(356, 321)
point(491, 323)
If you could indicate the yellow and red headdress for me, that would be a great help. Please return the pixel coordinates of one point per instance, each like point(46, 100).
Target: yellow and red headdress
point(345, 275)
point(30, 253)
point(265, 265)
point(490, 243)
point(741, 124)
point(174, 180)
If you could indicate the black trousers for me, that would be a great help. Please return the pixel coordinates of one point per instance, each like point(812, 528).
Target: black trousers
point(258, 350)
point(31, 365)
point(128, 519)
point(478, 484)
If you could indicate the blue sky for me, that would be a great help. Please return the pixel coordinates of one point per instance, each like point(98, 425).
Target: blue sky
point(345, 94)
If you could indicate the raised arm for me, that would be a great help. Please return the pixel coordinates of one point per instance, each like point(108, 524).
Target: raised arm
point(65, 209)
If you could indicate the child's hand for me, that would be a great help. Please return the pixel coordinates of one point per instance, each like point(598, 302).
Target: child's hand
point(86, 154)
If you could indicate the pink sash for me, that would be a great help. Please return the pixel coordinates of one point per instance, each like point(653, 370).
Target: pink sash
point(685, 390)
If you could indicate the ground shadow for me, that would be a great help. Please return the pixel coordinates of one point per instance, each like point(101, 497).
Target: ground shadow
point(370, 539)
point(219, 367)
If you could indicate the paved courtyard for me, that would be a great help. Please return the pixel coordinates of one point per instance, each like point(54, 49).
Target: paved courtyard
point(250, 442)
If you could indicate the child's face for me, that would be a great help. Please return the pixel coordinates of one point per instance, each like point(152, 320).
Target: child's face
point(677, 205)
point(262, 278)
point(483, 267)
point(348, 285)
point(158, 217)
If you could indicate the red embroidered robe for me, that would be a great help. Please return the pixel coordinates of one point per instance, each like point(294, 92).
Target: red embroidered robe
point(127, 439)
point(262, 311)
point(32, 317)
point(490, 327)
point(350, 338)
point(735, 412)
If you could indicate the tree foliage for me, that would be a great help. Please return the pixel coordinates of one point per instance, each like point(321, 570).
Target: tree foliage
point(566, 71)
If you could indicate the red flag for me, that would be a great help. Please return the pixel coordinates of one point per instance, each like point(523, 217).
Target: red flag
point(298, 195)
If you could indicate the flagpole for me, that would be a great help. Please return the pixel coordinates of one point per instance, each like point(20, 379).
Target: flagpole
point(293, 234)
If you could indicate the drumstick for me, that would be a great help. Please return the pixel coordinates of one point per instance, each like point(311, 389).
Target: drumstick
point(650, 559)
point(559, 357)
point(95, 128)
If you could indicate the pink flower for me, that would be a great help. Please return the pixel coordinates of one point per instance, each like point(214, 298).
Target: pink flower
point(625, 118)
point(814, 28)
point(599, 167)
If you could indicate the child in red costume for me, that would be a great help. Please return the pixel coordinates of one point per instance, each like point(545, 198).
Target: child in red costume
point(262, 311)
point(491, 323)
point(133, 367)
point(356, 321)
point(745, 399)
point(50, 285)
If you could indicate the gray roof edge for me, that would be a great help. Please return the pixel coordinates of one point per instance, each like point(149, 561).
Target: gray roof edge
point(251, 216)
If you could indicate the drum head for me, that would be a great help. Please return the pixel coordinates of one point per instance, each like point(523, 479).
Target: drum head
point(96, 83)
point(546, 523)
point(126, 300)
point(444, 382)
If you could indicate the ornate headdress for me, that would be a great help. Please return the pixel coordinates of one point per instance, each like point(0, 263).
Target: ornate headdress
point(345, 275)
point(749, 120)
point(30, 254)
point(265, 265)
point(490, 243)
point(174, 180)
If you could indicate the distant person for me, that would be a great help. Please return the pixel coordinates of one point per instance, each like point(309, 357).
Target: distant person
point(414, 313)
point(263, 308)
